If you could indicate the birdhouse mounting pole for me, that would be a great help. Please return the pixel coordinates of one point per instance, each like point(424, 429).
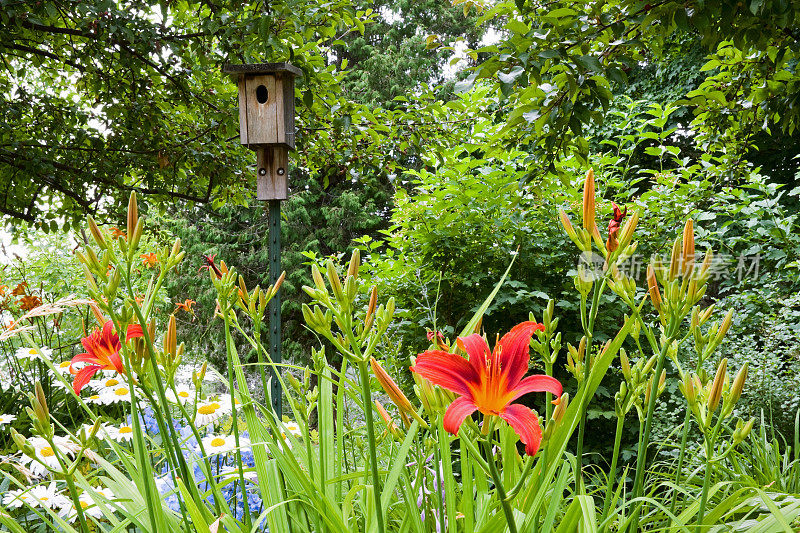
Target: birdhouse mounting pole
point(275, 303)
point(266, 124)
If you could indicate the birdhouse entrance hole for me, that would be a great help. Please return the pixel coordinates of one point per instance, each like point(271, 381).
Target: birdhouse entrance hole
point(262, 94)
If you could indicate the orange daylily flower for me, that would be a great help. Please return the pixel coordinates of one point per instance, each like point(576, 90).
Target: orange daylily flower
point(186, 306)
point(149, 260)
point(20, 290)
point(117, 233)
point(29, 301)
point(490, 381)
point(102, 353)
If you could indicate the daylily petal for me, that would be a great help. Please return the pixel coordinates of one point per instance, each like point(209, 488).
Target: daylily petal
point(537, 383)
point(447, 370)
point(526, 424)
point(134, 330)
point(83, 376)
point(477, 349)
point(84, 358)
point(460, 409)
point(513, 356)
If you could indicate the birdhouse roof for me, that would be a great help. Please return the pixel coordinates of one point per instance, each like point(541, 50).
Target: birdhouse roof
point(262, 68)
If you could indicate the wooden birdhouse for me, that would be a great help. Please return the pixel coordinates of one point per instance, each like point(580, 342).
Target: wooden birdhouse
point(266, 121)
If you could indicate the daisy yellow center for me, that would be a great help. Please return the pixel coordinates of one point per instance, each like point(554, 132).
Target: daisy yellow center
point(125, 429)
point(183, 394)
point(84, 505)
point(64, 364)
point(47, 451)
point(217, 442)
point(94, 397)
point(209, 409)
point(44, 498)
point(32, 352)
point(122, 391)
point(111, 382)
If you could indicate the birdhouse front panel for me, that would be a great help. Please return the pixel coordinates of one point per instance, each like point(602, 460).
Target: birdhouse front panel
point(262, 104)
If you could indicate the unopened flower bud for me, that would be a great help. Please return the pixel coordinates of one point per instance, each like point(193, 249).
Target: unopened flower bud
point(652, 285)
point(355, 262)
point(625, 364)
point(688, 248)
point(589, 221)
point(675, 260)
point(335, 282)
point(96, 233)
point(133, 214)
point(319, 282)
point(394, 392)
point(742, 431)
point(571, 230)
point(717, 385)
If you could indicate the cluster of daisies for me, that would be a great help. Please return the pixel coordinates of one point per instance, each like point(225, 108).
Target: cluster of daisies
point(51, 496)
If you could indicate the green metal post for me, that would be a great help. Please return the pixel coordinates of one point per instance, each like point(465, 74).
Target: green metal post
point(275, 303)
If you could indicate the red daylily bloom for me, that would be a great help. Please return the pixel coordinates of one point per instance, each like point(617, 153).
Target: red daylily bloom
point(490, 381)
point(102, 353)
point(613, 226)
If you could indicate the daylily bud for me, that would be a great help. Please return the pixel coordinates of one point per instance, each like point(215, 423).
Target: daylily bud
point(675, 260)
point(133, 214)
point(373, 301)
point(171, 337)
point(688, 248)
point(715, 393)
point(333, 279)
point(22, 443)
point(390, 425)
point(589, 222)
point(742, 431)
point(96, 233)
point(662, 381)
point(557, 417)
point(584, 280)
point(652, 285)
point(689, 390)
point(648, 367)
point(394, 392)
point(319, 282)
point(625, 364)
point(627, 230)
point(738, 383)
point(570, 230)
point(355, 262)
point(726, 325)
point(582, 349)
point(706, 314)
point(709, 257)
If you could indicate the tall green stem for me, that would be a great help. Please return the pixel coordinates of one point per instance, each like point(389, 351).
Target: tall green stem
point(366, 395)
point(685, 434)
point(644, 441)
point(612, 474)
point(498, 485)
point(706, 483)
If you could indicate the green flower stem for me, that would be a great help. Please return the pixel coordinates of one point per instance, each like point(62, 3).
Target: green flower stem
point(526, 469)
point(229, 347)
point(612, 473)
point(644, 439)
point(73, 493)
point(498, 484)
point(366, 395)
point(684, 436)
point(706, 483)
point(588, 330)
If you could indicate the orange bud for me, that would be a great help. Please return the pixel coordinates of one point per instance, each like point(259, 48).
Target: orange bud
point(738, 384)
point(709, 257)
point(688, 248)
point(652, 285)
point(390, 425)
point(627, 230)
point(170, 337)
point(589, 222)
point(133, 214)
point(715, 393)
point(393, 391)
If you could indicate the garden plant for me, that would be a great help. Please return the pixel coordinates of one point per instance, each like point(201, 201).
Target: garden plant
point(152, 443)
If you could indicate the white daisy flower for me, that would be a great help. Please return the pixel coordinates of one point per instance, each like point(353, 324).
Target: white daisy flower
point(63, 367)
point(216, 444)
point(184, 394)
point(24, 352)
point(45, 454)
point(107, 383)
point(208, 412)
point(38, 496)
point(94, 398)
point(120, 433)
point(291, 427)
point(120, 393)
point(87, 505)
point(6, 419)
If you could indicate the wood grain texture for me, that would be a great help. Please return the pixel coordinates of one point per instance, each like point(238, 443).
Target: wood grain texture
point(272, 169)
point(262, 125)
